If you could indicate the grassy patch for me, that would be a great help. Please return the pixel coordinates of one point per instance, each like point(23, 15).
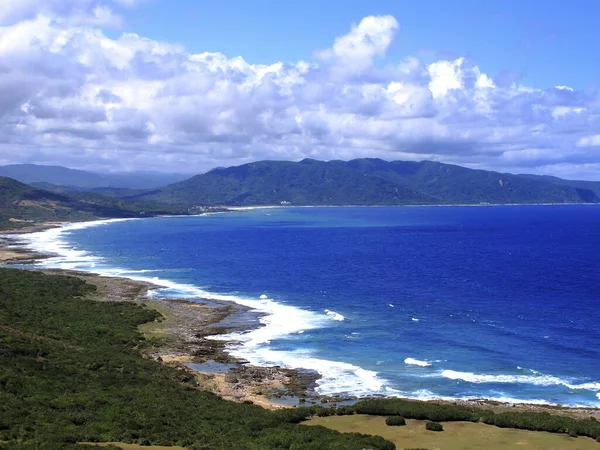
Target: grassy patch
point(456, 435)
point(444, 412)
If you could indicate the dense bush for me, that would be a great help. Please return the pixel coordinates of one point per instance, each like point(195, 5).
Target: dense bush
point(434, 426)
point(346, 410)
point(71, 371)
point(412, 409)
point(544, 421)
point(395, 421)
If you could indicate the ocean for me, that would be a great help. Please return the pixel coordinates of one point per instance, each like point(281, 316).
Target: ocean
point(496, 302)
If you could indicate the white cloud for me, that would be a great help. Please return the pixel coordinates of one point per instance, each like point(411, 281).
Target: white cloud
point(67, 12)
point(589, 141)
point(71, 95)
point(445, 76)
point(355, 51)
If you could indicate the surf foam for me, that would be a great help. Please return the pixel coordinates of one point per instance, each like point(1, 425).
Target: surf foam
point(335, 316)
point(52, 242)
point(416, 362)
point(539, 380)
point(424, 394)
point(278, 321)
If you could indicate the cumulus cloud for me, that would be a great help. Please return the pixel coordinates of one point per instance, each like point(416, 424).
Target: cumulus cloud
point(71, 95)
point(354, 52)
point(66, 12)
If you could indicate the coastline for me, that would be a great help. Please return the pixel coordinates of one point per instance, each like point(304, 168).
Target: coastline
point(182, 340)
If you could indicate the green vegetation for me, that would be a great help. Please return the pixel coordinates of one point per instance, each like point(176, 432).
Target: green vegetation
point(271, 182)
point(440, 412)
point(395, 421)
point(434, 426)
point(71, 370)
point(367, 182)
point(27, 204)
point(456, 435)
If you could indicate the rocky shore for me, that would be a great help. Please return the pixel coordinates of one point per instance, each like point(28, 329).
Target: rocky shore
point(182, 339)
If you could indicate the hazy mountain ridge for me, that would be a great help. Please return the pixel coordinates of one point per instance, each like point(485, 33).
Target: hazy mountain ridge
point(21, 204)
point(367, 182)
point(73, 178)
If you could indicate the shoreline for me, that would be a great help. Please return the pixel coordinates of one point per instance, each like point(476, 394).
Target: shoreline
point(183, 337)
point(424, 205)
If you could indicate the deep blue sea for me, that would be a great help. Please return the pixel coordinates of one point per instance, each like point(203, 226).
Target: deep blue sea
point(497, 302)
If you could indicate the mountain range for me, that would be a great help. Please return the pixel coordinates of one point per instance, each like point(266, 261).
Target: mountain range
point(367, 182)
point(58, 193)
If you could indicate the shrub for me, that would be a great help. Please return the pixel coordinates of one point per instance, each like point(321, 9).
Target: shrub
point(395, 421)
point(434, 426)
point(345, 410)
point(412, 409)
point(325, 412)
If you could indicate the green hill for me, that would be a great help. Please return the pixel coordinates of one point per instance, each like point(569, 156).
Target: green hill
point(272, 182)
point(366, 182)
point(593, 186)
point(21, 204)
point(451, 184)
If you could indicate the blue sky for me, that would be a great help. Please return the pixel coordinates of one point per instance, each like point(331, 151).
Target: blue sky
point(184, 85)
point(544, 43)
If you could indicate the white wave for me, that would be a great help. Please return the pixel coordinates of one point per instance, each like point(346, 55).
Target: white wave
point(415, 319)
point(278, 321)
point(424, 394)
point(336, 377)
point(51, 242)
point(538, 380)
point(390, 305)
point(335, 316)
point(416, 362)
